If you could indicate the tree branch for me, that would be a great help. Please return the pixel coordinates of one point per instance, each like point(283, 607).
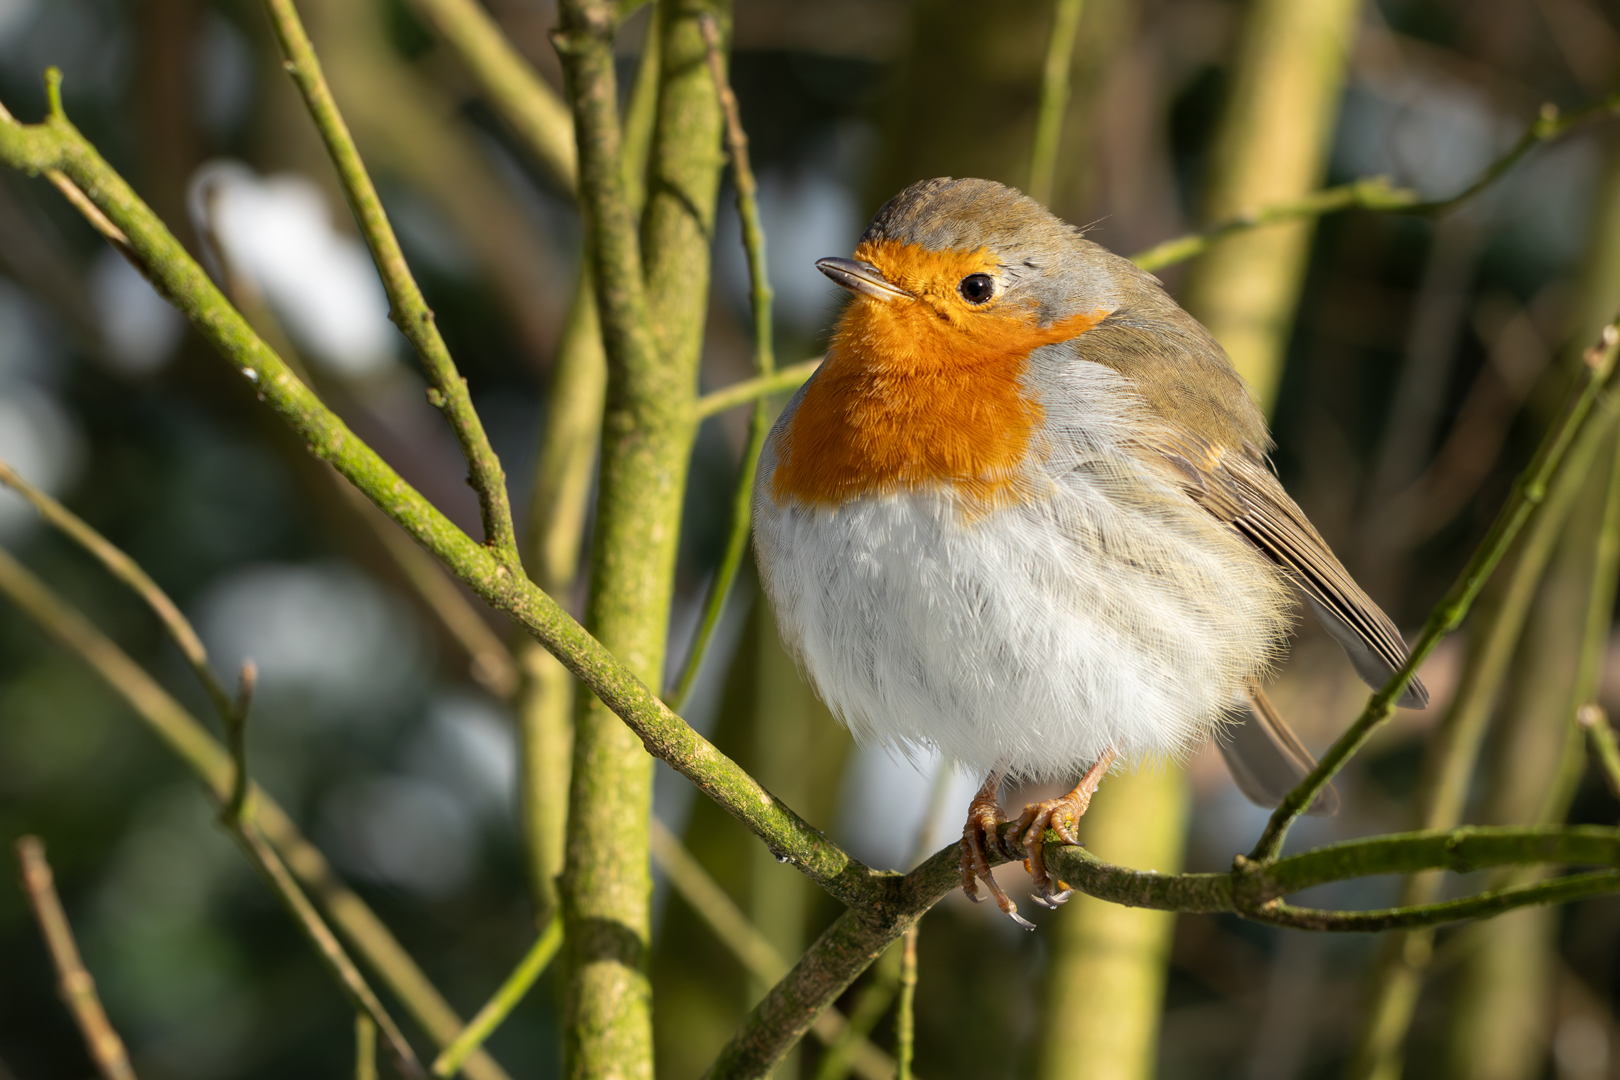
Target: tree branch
point(505, 999)
point(1054, 98)
point(56, 143)
point(531, 108)
point(753, 237)
point(213, 766)
point(741, 393)
point(1529, 492)
point(407, 307)
point(74, 983)
point(1376, 192)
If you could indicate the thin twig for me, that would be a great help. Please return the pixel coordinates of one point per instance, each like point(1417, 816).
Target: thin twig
point(1054, 98)
point(741, 393)
point(728, 923)
point(212, 764)
point(870, 1005)
point(1596, 722)
point(905, 1029)
point(408, 308)
point(365, 1047)
point(883, 905)
point(888, 978)
point(505, 999)
point(128, 571)
point(1368, 193)
point(56, 143)
point(80, 201)
point(233, 714)
point(329, 949)
point(1528, 493)
point(753, 236)
point(77, 988)
point(491, 663)
point(1376, 193)
point(235, 719)
point(517, 93)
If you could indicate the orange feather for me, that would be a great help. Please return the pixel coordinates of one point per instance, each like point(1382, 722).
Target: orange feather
point(922, 391)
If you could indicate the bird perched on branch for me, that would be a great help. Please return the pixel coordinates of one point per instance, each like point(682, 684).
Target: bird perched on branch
point(1023, 515)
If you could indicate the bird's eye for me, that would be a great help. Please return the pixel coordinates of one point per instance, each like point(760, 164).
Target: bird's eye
point(977, 288)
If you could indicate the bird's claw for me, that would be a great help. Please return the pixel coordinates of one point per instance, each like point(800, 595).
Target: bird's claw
point(981, 834)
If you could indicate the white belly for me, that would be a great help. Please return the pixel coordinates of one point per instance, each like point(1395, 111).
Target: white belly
point(1034, 638)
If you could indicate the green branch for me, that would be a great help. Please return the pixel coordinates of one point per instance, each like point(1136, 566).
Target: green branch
point(504, 1000)
point(1601, 732)
point(1369, 193)
point(262, 817)
point(233, 713)
point(1528, 492)
point(407, 307)
point(1054, 98)
point(741, 393)
point(745, 941)
point(1376, 192)
point(759, 425)
point(882, 906)
point(508, 82)
point(56, 143)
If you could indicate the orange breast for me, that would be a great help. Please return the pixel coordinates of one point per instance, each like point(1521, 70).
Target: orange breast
point(919, 393)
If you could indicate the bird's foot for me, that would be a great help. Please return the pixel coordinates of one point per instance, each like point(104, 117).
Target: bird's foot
point(981, 835)
point(1059, 815)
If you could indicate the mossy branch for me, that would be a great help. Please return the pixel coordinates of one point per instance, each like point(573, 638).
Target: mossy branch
point(1590, 395)
point(883, 906)
point(407, 307)
point(57, 144)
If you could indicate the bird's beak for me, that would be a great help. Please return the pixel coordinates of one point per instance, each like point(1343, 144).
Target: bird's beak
point(861, 277)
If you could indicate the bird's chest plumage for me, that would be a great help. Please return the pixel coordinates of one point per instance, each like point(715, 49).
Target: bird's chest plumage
point(1028, 602)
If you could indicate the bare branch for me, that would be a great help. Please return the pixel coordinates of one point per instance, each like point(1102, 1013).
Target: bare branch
point(408, 308)
point(77, 988)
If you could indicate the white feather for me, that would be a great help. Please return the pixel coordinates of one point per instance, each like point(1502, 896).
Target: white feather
point(1106, 612)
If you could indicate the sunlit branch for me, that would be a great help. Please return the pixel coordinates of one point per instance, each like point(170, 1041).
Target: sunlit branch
point(517, 93)
point(408, 308)
point(753, 237)
point(504, 1000)
point(1377, 192)
point(1528, 492)
point(741, 393)
point(1054, 98)
point(743, 939)
point(1601, 732)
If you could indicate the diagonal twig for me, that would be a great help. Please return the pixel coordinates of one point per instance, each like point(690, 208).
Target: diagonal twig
point(1528, 493)
point(407, 307)
point(505, 999)
point(74, 982)
point(705, 896)
point(1377, 192)
point(233, 712)
point(212, 764)
point(1601, 732)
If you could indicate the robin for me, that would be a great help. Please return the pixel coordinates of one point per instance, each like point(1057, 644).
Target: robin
point(1022, 515)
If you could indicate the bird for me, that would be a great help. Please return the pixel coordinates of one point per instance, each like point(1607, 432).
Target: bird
point(1023, 516)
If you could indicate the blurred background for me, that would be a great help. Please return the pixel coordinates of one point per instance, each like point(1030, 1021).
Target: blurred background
point(1416, 364)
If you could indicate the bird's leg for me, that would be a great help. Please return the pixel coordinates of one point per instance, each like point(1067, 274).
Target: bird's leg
point(1059, 815)
point(983, 830)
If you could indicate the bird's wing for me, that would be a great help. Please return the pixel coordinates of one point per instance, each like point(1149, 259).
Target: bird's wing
point(1267, 759)
point(1238, 488)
